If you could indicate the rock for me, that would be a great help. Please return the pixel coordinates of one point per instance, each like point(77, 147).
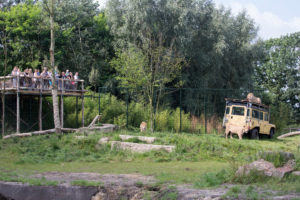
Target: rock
point(296, 173)
point(103, 140)
point(261, 165)
point(149, 140)
point(288, 167)
point(99, 196)
point(140, 148)
point(267, 168)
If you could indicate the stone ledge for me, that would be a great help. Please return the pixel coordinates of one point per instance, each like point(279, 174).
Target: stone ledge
point(149, 140)
point(140, 148)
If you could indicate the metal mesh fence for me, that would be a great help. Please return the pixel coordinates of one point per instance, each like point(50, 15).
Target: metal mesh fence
point(173, 109)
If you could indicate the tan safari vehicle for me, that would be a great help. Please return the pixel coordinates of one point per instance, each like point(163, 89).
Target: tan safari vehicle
point(247, 117)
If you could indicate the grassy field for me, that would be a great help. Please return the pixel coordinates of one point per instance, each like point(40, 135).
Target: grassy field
point(201, 160)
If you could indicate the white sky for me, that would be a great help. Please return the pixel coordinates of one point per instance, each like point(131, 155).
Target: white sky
point(274, 17)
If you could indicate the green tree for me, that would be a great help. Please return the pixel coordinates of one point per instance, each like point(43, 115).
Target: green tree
point(50, 8)
point(278, 71)
point(22, 27)
point(216, 44)
point(150, 71)
point(83, 39)
point(94, 78)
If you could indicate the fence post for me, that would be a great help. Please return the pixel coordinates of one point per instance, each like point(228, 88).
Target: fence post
point(127, 102)
point(3, 109)
point(180, 128)
point(99, 108)
point(18, 104)
point(76, 111)
point(205, 114)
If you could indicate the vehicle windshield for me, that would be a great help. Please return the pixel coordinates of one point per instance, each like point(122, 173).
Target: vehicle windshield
point(238, 111)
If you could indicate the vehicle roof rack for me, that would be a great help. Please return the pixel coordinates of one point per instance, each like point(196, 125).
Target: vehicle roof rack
point(246, 101)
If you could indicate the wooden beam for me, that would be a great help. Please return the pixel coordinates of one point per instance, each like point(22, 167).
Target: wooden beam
point(82, 110)
point(289, 134)
point(62, 111)
point(18, 105)
point(76, 111)
point(40, 112)
point(97, 118)
point(3, 108)
point(3, 114)
point(21, 120)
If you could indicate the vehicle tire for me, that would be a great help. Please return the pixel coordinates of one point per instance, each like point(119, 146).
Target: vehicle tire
point(272, 132)
point(254, 134)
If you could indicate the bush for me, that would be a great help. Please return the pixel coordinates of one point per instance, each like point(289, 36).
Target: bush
point(185, 121)
point(212, 179)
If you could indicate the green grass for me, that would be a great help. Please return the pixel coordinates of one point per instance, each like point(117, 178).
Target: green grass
point(201, 160)
point(15, 177)
point(86, 183)
point(212, 179)
point(233, 193)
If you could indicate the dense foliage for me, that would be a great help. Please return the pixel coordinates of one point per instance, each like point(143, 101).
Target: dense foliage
point(278, 71)
point(155, 44)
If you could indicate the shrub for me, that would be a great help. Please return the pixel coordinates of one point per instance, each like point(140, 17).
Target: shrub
point(212, 179)
point(185, 121)
point(163, 122)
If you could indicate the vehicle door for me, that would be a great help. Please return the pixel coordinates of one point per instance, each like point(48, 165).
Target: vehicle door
point(255, 119)
point(238, 115)
point(262, 123)
point(226, 115)
point(266, 123)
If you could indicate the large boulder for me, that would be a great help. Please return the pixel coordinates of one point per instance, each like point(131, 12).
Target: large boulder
point(140, 148)
point(149, 140)
point(287, 168)
point(296, 173)
point(266, 168)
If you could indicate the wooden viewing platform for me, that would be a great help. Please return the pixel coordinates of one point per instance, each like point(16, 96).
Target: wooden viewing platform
point(21, 85)
point(11, 85)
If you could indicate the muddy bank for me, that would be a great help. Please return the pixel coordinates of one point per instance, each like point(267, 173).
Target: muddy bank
point(19, 191)
point(121, 186)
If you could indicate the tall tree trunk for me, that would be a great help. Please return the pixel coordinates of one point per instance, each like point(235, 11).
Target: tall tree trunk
point(54, 86)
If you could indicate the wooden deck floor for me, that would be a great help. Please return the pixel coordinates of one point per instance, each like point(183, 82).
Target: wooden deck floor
point(43, 92)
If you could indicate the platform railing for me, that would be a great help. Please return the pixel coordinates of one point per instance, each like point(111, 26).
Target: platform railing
point(23, 82)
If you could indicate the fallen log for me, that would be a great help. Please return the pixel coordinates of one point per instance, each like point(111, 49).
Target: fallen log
point(97, 118)
point(30, 134)
point(105, 128)
point(289, 134)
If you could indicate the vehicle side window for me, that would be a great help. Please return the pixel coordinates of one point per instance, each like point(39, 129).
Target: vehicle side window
point(238, 111)
point(261, 115)
point(266, 116)
point(227, 110)
point(248, 112)
point(255, 114)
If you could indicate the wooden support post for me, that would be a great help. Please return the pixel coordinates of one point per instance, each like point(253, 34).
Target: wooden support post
point(40, 112)
point(82, 110)
point(62, 110)
point(3, 109)
point(18, 104)
point(82, 103)
point(76, 111)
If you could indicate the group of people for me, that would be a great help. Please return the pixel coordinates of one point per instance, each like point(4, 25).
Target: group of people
point(42, 80)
